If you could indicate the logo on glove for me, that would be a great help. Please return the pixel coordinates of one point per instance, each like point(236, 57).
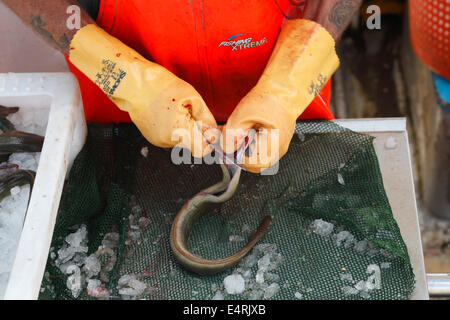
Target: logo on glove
point(109, 77)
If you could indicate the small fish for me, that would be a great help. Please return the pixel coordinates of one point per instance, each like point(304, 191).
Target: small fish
point(7, 169)
point(17, 178)
point(199, 205)
point(16, 141)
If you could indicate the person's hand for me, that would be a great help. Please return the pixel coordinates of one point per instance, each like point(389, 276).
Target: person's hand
point(302, 61)
point(166, 109)
point(273, 124)
point(177, 115)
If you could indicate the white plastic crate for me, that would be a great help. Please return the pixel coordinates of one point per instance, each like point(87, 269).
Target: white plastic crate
point(59, 95)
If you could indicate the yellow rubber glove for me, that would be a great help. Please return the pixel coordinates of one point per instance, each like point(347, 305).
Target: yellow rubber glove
point(302, 61)
point(165, 108)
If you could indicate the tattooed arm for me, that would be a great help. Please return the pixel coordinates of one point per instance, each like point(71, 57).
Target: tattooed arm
point(49, 19)
point(333, 15)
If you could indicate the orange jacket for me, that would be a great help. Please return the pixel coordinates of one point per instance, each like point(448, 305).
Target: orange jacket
point(220, 47)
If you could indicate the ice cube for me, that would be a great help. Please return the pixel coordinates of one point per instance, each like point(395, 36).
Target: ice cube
point(322, 227)
point(265, 248)
point(75, 239)
point(298, 295)
point(139, 286)
point(96, 289)
point(92, 266)
point(272, 277)
point(235, 238)
point(128, 292)
point(218, 296)
point(259, 278)
point(144, 152)
point(249, 261)
point(247, 274)
point(275, 261)
point(264, 262)
point(74, 282)
point(111, 240)
point(340, 179)
point(27, 118)
point(234, 284)
point(143, 222)
point(271, 290)
point(124, 280)
point(349, 290)
point(361, 246)
point(14, 191)
point(256, 294)
point(361, 285)
point(345, 237)
point(347, 277)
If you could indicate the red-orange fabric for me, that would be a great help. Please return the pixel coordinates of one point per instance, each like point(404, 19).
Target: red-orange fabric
point(219, 47)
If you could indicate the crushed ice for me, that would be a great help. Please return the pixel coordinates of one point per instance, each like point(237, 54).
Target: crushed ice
point(364, 287)
point(343, 238)
point(251, 285)
point(92, 272)
point(322, 227)
point(144, 152)
point(340, 179)
point(13, 207)
point(234, 284)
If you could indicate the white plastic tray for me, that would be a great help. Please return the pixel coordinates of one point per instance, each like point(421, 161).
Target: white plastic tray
point(396, 169)
point(65, 135)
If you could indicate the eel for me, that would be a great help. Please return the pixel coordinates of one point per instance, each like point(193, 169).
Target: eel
point(6, 111)
point(13, 141)
point(17, 178)
point(5, 124)
point(7, 169)
point(197, 206)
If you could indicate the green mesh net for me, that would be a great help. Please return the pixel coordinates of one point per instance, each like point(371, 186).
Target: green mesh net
point(330, 174)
